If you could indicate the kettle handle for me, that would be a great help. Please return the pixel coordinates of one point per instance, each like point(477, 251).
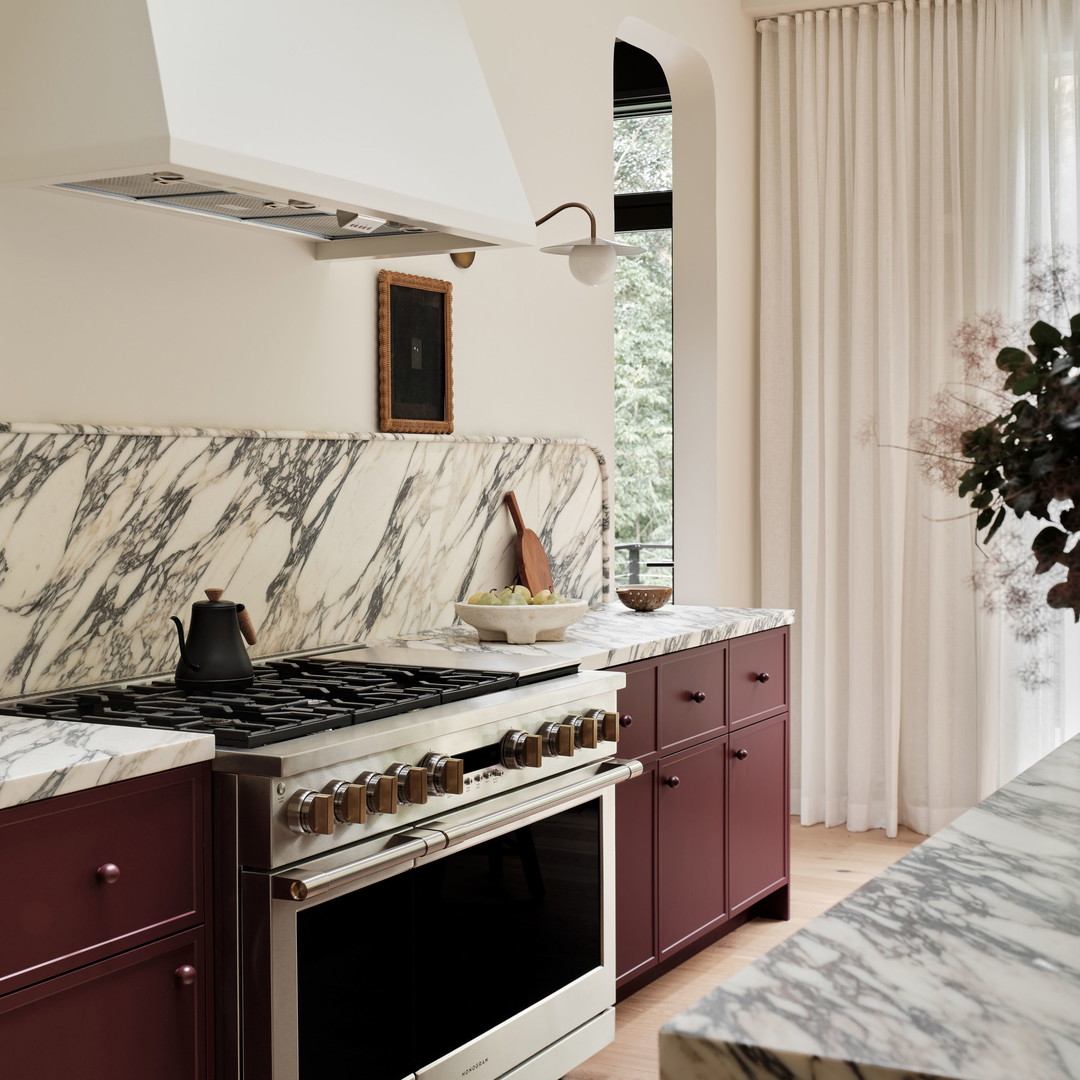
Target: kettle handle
point(183, 652)
point(247, 627)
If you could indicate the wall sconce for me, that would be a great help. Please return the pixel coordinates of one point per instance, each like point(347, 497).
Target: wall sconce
point(592, 260)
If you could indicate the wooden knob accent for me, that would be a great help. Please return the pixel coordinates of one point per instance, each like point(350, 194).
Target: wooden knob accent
point(108, 873)
point(625, 720)
point(247, 627)
point(742, 755)
point(762, 676)
point(186, 975)
point(214, 595)
point(698, 696)
point(672, 781)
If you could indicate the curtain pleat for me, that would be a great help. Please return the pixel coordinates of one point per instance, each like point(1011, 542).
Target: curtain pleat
point(912, 153)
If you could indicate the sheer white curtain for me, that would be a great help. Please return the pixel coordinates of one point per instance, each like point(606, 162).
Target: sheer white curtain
point(912, 155)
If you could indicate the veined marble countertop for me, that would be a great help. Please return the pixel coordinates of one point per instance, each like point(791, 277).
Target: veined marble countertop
point(613, 634)
point(962, 960)
point(41, 758)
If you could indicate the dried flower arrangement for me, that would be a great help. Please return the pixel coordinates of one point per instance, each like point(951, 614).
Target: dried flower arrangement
point(1017, 449)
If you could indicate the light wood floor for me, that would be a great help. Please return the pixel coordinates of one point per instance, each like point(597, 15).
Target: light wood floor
point(826, 865)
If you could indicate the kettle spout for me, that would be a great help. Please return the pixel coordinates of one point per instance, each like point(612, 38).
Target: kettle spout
point(183, 651)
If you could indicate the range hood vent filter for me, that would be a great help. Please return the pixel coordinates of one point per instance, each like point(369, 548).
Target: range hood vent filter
point(178, 194)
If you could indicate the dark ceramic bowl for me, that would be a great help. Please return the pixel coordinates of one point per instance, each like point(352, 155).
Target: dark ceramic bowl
point(644, 597)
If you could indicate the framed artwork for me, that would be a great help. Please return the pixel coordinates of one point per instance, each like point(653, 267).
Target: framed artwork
point(416, 385)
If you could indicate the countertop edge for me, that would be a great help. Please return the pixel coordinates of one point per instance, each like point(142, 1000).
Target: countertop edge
point(42, 758)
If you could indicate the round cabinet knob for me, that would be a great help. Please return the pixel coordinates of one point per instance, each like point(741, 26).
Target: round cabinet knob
point(521, 751)
point(672, 781)
point(108, 873)
point(382, 792)
point(586, 734)
point(762, 676)
point(186, 975)
point(558, 739)
point(350, 801)
point(742, 755)
point(412, 783)
point(445, 775)
point(625, 720)
point(698, 696)
point(311, 812)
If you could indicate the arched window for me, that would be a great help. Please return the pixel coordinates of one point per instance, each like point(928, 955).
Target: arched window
point(643, 320)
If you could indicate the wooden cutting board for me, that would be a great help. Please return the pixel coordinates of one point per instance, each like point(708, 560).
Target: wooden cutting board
point(533, 569)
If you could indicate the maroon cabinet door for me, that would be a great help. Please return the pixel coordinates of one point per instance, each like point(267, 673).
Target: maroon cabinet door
point(635, 883)
point(758, 833)
point(137, 1016)
point(691, 840)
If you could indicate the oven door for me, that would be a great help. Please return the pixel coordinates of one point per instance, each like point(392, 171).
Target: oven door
point(479, 945)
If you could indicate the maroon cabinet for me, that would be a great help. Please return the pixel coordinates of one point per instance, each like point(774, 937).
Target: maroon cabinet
point(690, 695)
point(758, 833)
point(759, 675)
point(635, 880)
point(103, 936)
point(101, 871)
point(702, 834)
point(139, 1014)
point(690, 861)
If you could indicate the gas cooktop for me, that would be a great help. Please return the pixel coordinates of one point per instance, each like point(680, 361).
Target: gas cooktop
point(299, 695)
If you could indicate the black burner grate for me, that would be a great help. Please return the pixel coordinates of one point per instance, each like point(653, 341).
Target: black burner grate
point(289, 698)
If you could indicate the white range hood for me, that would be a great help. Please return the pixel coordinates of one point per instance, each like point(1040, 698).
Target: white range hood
point(266, 113)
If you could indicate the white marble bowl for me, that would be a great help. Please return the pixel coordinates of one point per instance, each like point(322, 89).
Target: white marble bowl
point(521, 624)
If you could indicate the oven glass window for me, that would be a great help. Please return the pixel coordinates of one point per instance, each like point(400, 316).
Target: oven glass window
point(398, 974)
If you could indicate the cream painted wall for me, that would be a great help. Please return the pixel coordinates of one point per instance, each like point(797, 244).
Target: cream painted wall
point(113, 314)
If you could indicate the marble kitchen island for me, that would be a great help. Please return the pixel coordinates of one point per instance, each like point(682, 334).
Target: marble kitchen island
point(960, 961)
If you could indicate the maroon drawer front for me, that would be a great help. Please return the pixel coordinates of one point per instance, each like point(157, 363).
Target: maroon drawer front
point(759, 676)
point(138, 1016)
point(637, 711)
point(96, 872)
point(691, 697)
point(758, 826)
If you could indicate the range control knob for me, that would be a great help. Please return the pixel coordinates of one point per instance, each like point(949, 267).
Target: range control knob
point(350, 801)
point(585, 730)
point(445, 775)
point(382, 792)
point(311, 812)
point(558, 739)
point(521, 751)
point(412, 785)
point(607, 722)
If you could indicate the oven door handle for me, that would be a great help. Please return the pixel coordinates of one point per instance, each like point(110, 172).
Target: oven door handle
point(302, 883)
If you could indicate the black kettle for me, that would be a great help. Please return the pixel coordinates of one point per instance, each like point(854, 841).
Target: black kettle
point(214, 656)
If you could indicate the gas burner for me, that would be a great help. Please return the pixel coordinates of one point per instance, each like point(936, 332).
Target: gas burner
point(290, 697)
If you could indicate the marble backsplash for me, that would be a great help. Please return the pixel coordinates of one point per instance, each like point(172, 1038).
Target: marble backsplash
point(327, 538)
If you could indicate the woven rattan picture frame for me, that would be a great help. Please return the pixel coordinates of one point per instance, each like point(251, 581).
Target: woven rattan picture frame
point(416, 380)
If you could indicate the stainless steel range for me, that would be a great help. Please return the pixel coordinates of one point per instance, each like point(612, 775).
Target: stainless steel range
point(415, 863)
